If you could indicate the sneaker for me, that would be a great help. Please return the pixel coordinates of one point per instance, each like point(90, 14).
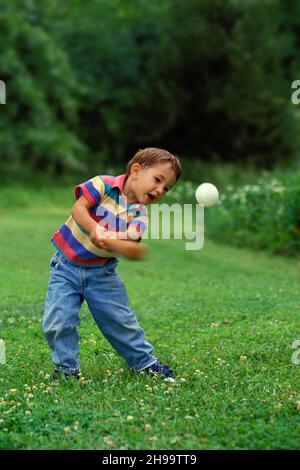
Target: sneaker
point(58, 374)
point(162, 372)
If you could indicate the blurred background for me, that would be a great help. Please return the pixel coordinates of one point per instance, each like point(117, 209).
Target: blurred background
point(90, 83)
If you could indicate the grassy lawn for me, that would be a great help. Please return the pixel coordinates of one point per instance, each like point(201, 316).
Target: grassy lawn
point(223, 318)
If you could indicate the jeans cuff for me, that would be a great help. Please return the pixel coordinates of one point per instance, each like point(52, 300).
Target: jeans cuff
point(143, 367)
point(66, 370)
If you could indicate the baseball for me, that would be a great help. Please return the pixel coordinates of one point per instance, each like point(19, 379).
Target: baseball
point(207, 194)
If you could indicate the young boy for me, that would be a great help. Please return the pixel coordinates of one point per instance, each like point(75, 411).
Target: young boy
point(107, 220)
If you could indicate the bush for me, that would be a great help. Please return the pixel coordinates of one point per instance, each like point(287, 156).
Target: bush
point(91, 82)
point(263, 216)
point(38, 122)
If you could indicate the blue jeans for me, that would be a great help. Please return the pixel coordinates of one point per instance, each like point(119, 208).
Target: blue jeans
point(105, 294)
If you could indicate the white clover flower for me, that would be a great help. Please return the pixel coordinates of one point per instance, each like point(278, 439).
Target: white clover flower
point(278, 189)
point(279, 211)
point(243, 358)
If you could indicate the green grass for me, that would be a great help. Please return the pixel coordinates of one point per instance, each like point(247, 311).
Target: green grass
point(224, 318)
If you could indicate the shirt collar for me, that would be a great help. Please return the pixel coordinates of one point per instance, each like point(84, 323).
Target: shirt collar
point(119, 182)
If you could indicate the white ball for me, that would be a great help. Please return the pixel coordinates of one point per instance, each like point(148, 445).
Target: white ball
point(207, 194)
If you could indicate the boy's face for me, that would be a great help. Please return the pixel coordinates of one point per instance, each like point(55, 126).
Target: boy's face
point(149, 185)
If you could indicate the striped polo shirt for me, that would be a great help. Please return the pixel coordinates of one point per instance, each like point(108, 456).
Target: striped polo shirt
point(110, 210)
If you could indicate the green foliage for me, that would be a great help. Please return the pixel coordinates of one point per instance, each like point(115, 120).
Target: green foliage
point(221, 174)
point(37, 124)
point(264, 216)
point(90, 83)
point(239, 106)
point(121, 63)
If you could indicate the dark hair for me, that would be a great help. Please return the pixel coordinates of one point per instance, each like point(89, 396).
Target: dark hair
point(152, 156)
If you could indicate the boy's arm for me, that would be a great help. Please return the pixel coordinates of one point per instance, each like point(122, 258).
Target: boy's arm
point(80, 212)
point(129, 249)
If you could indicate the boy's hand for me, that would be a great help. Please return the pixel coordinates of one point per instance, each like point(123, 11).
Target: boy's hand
point(106, 240)
point(98, 236)
point(130, 249)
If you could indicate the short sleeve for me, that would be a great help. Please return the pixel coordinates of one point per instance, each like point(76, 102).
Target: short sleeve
point(139, 222)
point(92, 189)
